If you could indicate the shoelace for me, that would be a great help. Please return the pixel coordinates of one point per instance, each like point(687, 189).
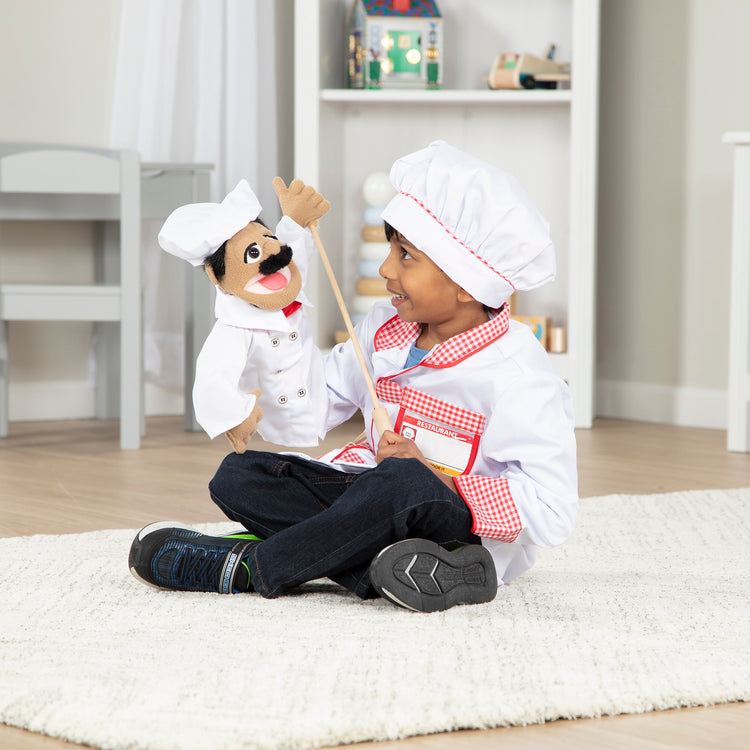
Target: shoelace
point(200, 566)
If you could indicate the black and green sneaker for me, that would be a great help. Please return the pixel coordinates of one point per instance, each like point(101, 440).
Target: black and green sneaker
point(423, 576)
point(171, 556)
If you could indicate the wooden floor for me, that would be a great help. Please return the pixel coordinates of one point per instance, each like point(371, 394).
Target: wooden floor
point(65, 477)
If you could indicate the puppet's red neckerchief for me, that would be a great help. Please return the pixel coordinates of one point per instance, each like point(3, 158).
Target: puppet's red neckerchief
point(291, 309)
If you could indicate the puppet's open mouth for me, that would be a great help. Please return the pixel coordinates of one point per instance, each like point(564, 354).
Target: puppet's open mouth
point(270, 284)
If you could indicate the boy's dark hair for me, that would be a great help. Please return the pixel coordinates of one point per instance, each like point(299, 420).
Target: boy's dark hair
point(216, 261)
point(390, 231)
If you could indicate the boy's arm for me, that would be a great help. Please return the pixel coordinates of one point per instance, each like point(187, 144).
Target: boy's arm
point(533, 496)
point(347, 390)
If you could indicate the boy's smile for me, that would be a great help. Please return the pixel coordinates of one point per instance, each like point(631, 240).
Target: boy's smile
point(422, 292)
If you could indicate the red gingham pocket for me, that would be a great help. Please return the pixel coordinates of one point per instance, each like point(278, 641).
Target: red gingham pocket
point(442, 411)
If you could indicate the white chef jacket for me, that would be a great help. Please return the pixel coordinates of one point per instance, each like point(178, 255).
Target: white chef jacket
point(249, 348)
point(485, 406)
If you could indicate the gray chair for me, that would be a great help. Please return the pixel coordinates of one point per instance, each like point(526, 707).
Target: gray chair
point(46, 182)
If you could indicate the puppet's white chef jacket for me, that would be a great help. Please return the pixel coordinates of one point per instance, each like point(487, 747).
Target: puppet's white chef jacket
point(249, 348)
point(484, 406)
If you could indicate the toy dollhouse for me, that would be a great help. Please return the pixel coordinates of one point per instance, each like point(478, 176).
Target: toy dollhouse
point(395, 44)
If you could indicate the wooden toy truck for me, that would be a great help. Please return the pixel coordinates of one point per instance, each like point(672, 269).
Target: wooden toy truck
point(525, 71)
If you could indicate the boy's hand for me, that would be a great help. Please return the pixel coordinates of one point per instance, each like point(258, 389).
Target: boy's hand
point(300, 202)
point(393, 445)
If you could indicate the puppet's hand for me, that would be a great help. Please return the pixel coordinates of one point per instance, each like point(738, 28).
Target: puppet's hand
point(240, 435)
point(300, 202)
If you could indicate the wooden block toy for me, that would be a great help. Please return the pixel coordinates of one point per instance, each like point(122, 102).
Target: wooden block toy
point(373, 233)
point(370, 287)
point(558, 340)
point(539, 325)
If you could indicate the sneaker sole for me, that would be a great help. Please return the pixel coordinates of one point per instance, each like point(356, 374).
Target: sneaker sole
point(423, 576)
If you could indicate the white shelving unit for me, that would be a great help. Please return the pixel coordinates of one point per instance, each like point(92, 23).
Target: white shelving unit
point(546, 138)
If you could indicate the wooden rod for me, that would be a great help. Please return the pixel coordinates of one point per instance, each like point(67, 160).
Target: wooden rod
point(379, 414)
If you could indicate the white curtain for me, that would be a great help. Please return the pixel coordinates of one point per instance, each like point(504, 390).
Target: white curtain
point(195, 82)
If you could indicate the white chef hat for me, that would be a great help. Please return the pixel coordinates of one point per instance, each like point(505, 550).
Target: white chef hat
point(195, 231)
point(473, 220)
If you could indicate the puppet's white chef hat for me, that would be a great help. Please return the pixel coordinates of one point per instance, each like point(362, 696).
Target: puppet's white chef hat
point(473, 220)
point(195, 231)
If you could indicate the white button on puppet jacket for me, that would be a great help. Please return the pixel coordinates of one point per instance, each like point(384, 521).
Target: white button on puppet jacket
point(248, 349)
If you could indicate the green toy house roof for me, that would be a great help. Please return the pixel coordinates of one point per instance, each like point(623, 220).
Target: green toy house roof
point(417, 8)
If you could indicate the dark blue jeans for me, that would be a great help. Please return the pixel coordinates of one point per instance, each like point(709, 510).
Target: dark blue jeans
point(318, 522)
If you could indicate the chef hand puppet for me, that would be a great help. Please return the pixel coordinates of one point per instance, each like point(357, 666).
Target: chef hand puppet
point(259, 360)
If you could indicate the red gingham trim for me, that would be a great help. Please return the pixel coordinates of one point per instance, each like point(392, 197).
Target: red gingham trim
point(388, 391)
point(492, 507)
point(458, 348)
point(396, 333)
point(352, 453)
point(442, 411)
point(453, 236)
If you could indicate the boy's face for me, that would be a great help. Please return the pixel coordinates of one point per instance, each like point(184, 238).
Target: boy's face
point(421, 291)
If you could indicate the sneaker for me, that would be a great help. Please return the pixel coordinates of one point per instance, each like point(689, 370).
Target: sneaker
point(171, 556)
point(421, 575)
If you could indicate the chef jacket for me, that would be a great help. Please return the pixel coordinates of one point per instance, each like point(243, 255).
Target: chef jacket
point(250, 348)
point(486, 407)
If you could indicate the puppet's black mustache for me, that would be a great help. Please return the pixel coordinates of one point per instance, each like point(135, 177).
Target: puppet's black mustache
point(276, 262)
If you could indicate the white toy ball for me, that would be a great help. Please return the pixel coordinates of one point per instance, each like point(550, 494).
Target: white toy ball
point(377, 189)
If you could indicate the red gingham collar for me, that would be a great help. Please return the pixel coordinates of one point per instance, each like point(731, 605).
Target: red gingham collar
point(396, 334)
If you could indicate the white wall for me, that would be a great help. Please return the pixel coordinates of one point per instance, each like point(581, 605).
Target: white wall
point(673, 77)
point(56, 73)
point(57, 64)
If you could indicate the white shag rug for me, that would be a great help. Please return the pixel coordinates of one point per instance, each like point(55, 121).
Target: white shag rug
point(647, 607)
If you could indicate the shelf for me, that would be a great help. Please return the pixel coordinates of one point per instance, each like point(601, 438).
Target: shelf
point(447, 96)
point(545, 137)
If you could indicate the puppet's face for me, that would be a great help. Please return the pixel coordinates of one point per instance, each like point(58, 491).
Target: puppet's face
point(260, 269)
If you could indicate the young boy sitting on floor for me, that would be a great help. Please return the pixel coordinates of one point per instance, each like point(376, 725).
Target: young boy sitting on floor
point(480, 468)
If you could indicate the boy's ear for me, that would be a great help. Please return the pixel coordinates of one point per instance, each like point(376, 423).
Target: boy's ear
point(211, 275)
point(464, 296)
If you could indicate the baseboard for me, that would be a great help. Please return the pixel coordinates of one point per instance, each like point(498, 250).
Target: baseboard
point(160, 401)
point(663, 404)
point(51, 400)
point(642, 402)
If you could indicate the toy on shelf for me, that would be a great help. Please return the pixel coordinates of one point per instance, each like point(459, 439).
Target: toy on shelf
point(558, 340)
point(394, 44)
point(539, 325)
point(552, 338)
point(370, 285)
point(513, 71)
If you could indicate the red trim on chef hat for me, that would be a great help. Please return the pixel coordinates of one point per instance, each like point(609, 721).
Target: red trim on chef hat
point(473, 220)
